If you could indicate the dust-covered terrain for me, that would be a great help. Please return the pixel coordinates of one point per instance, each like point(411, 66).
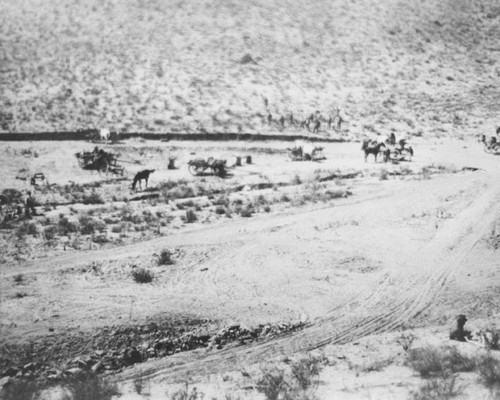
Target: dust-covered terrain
point(290, 273)
point(103, 277)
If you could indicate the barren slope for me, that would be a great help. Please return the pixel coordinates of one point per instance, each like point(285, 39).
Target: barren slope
point(427, 67)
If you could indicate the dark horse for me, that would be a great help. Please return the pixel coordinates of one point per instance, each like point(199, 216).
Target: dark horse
point(371, 147)
point(142, 175)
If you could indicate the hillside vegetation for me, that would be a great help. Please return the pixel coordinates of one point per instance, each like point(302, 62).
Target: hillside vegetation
point(427, 67)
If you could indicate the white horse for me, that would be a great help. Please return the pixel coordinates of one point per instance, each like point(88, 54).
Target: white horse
point(104, 134)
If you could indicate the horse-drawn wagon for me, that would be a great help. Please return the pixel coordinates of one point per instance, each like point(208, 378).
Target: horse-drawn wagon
point(305, 152)
point(101, 161)
point(199, 165)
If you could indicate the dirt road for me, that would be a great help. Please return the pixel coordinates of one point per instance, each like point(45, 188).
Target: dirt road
point(403, 294)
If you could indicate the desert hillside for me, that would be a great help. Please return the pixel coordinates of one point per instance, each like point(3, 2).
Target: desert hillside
point(423, 68)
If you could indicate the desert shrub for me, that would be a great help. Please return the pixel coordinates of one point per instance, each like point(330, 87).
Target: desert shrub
point(135, 218)
point(46, 221)
point(438, 389)
point(92, 198)
point(296, 180)
point(247, 211)
point(27, 228)
point(87, 224)
point(12, 196)
point(375, 365)
point(221, 200)
point(306, 370)
point(18, 279)
point(148, 216)
point(383, 174)
point(22, 389)
point(284, 198)
point(100, 239)
point(261, 200)
point(425, 173)
point(119, 228)
point(428, 361)
point(65, 226)
point(185, 394)
point(87, 385)
point(190, 216)
point(142, 275)
point(489, 371)
point(405, 340)
point(181, 191)
point(50, 232)
point(272, 384)
point(220, 210)
point(165, 257)
point(139, 384)
point(267, 208)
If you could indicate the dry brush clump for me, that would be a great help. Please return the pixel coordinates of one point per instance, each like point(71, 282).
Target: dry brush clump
point(438, 361)
point(443, 388)
point(439, 367)
point(488, 368)
point(81, 386)
point(166, 257)
point(190, 216)
point(300, 382)
point(142, 275)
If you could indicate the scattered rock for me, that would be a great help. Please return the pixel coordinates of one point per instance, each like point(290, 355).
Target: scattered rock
point(247, 59)
point(4, 381)
point(131, 356)
point(74, 371)
point(98, 367)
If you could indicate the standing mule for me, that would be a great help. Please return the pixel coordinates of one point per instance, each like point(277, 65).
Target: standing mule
point(142, 175)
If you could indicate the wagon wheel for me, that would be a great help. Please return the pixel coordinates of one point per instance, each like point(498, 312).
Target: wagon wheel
point(196, 169)
point(487, 148)
point(495, 149)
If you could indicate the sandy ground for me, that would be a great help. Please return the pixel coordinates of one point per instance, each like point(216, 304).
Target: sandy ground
point(400, 251)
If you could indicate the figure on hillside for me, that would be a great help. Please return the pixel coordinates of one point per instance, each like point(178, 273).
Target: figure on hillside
point(266, 102)
point(282, 121)
point(269, 118)
point(340, 121)
point(329, 123)
point(459, 333)
point(29, 207)
point(317, 125)
point(291, 119)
